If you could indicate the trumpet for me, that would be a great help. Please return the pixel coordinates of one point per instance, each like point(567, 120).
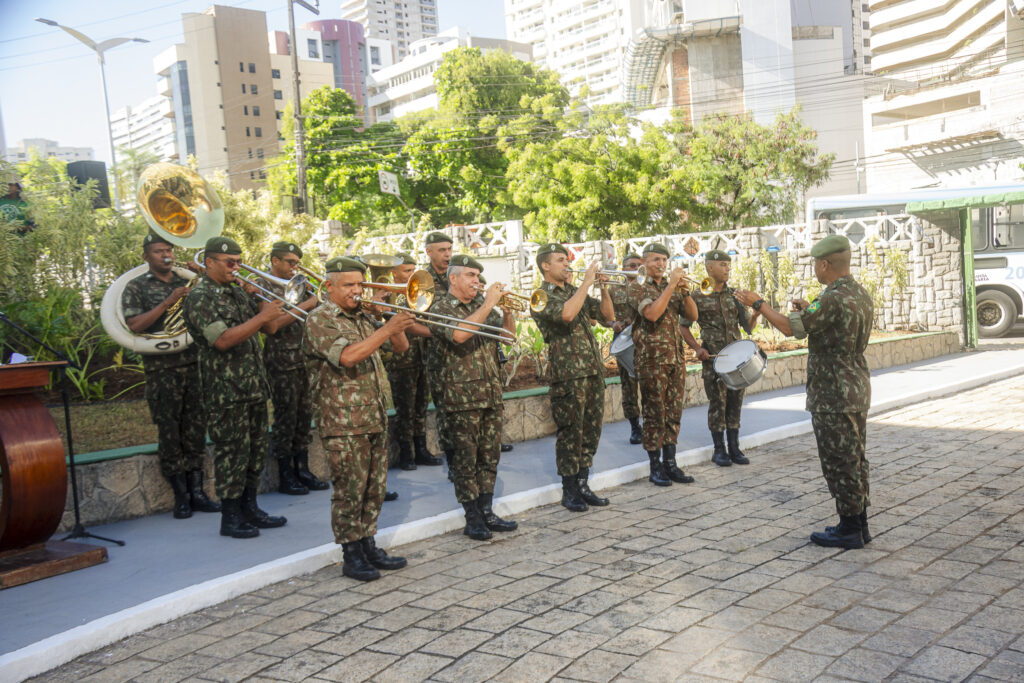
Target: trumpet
point(705, 286)
point(536, 301)
point(624, 274)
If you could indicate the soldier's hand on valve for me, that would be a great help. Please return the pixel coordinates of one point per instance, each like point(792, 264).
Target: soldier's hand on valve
point(176, 295)
point(675, 276)
point(271, 310)
point(399, 323)
point(493, 294)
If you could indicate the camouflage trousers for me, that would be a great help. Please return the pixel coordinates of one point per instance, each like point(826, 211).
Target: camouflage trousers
point(724, 404)
point(239, 435)
point(477, 443)
point(176, 406)
point(359, 466)
point(662, 394)
point(577, 407)
point(440, 416)
point(412, 397)
point(293, 411)
point(841, 439)
point(630, 397)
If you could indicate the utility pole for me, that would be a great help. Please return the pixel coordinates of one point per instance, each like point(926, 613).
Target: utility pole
point(300, 138)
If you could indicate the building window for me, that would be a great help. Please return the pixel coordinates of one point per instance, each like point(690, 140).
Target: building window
point(248, 134)
point(252, 68)
point(241, 67)
point(255, 110)
point(275, 73)
point(250, 152)
point(278, 95)
point(374, 55)
point(263, 174)
point(259, 132)
point(277, 115)
point(259, 153)
point(252, 89)
point(245, 109)
point(243, 88)
point(252, 175)
point(314, 53)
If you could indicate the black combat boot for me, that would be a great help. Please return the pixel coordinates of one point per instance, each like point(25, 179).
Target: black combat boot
point(735, 454)
point(668, 459)
point(232, 523)
point(405, 459)
point(307, 478)
point(491, 520)
point(254, 515)
point(287, 481)
point(182, 506)
point(448, 457)
point(847, 534)
point(571, 498)
point(424, 456)
point(864, 533)
point(390, 496)
point(378, 558)
point(720, 457)
point(635, 431)
point(588, 496)
point(354, 563)
point(475, 527)
point(657, 477)
point(200, 502)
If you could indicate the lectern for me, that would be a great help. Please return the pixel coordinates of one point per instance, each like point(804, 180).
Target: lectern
point(35, 481)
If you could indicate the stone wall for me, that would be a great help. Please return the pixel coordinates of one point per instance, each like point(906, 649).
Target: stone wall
point(129, 487)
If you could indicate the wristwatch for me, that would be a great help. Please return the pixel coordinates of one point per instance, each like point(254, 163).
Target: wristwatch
point(757, 304)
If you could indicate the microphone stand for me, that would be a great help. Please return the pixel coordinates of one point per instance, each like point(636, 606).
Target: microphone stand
point(78, 531)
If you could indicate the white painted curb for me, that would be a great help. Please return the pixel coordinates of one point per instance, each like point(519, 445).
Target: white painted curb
point(51, 652)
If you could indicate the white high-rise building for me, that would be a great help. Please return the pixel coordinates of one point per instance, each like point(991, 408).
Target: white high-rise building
point(47, 149)
point(149, 126)
point(402, 22)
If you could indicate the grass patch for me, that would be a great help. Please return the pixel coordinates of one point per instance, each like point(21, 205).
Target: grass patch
point(110, 424)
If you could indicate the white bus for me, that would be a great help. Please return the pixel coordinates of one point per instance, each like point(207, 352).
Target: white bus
point(997, 231)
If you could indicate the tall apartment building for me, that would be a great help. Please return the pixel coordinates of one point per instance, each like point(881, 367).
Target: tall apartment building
point(402, 22)
point(950, 111)
point(408, 85)
point(47, 149)
point(149, 126)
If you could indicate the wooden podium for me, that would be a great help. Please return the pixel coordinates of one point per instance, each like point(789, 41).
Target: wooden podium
point(35, 482)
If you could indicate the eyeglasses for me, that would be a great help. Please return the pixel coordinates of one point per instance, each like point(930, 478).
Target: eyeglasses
point(291, 261)
point(230, 262)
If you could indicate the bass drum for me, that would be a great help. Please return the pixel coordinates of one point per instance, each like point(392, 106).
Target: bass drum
point(113, 319)
point(740, 364)
point(623, 350)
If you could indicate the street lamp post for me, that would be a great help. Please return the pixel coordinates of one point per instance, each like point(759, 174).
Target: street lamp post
point(99, 49)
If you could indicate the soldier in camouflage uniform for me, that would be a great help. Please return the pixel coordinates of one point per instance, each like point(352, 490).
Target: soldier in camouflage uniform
point(837, 326)
point(341, 346)
point(408, 378)
point(471, 393)
point(225, 321)
point(172, 379)
point(721, 317)
point(289, 384)
point(438, 247)
point(624, 316)
point(577, 372)
point(660, 364)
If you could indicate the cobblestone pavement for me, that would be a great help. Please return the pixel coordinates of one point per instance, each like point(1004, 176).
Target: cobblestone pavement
point(714, 580)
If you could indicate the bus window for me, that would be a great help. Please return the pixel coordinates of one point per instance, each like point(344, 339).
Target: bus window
point(979, 228)
point(1008, 226)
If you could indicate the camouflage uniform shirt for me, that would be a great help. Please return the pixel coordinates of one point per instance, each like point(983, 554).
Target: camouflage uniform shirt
point(432, 354)
point(347, 401)
point(282, 350)
point(144, 293)
point(624, 311)
point(837, 326)
point(237, 374)
point(659, 342)
point(572, 348)
point(721, 318)
point(411, 359)
point(469, 374)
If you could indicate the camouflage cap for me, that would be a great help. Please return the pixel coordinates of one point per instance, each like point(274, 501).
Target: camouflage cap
point(153, 238)
point(407, 260)
point(345, 264)
point(716, 255)
point(222, 245)
point(657, 248)
point(830, 245)
point(550, 248)
point(465, 261)
point(286, 246)
point(436, 237)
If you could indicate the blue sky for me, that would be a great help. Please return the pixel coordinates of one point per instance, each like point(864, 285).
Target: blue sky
point(50, 83)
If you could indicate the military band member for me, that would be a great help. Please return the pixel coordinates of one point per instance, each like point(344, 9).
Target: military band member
point(224, 322)
point(721, 318)
point(408, 377)
point(341, 345)
point(172, 380)
point(837, 326)
point(659, 360)
point(577, 370)
point(289, 384)
point(471, 393)
point(624, 315)
point(438, 247)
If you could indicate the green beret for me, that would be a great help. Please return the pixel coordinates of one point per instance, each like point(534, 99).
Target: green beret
point(830, 245)
point(345, 264)
point(407, 260)
point(657, 248)
point(717, 255)
point(222, 245)
point(630, 255)
point(437, 236)
point(153, 238)
point(466, 261)
point(286, 246)
point(550, 248)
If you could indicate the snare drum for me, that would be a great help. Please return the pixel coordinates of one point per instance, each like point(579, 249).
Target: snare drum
point(740, 364)
point(622, 348)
